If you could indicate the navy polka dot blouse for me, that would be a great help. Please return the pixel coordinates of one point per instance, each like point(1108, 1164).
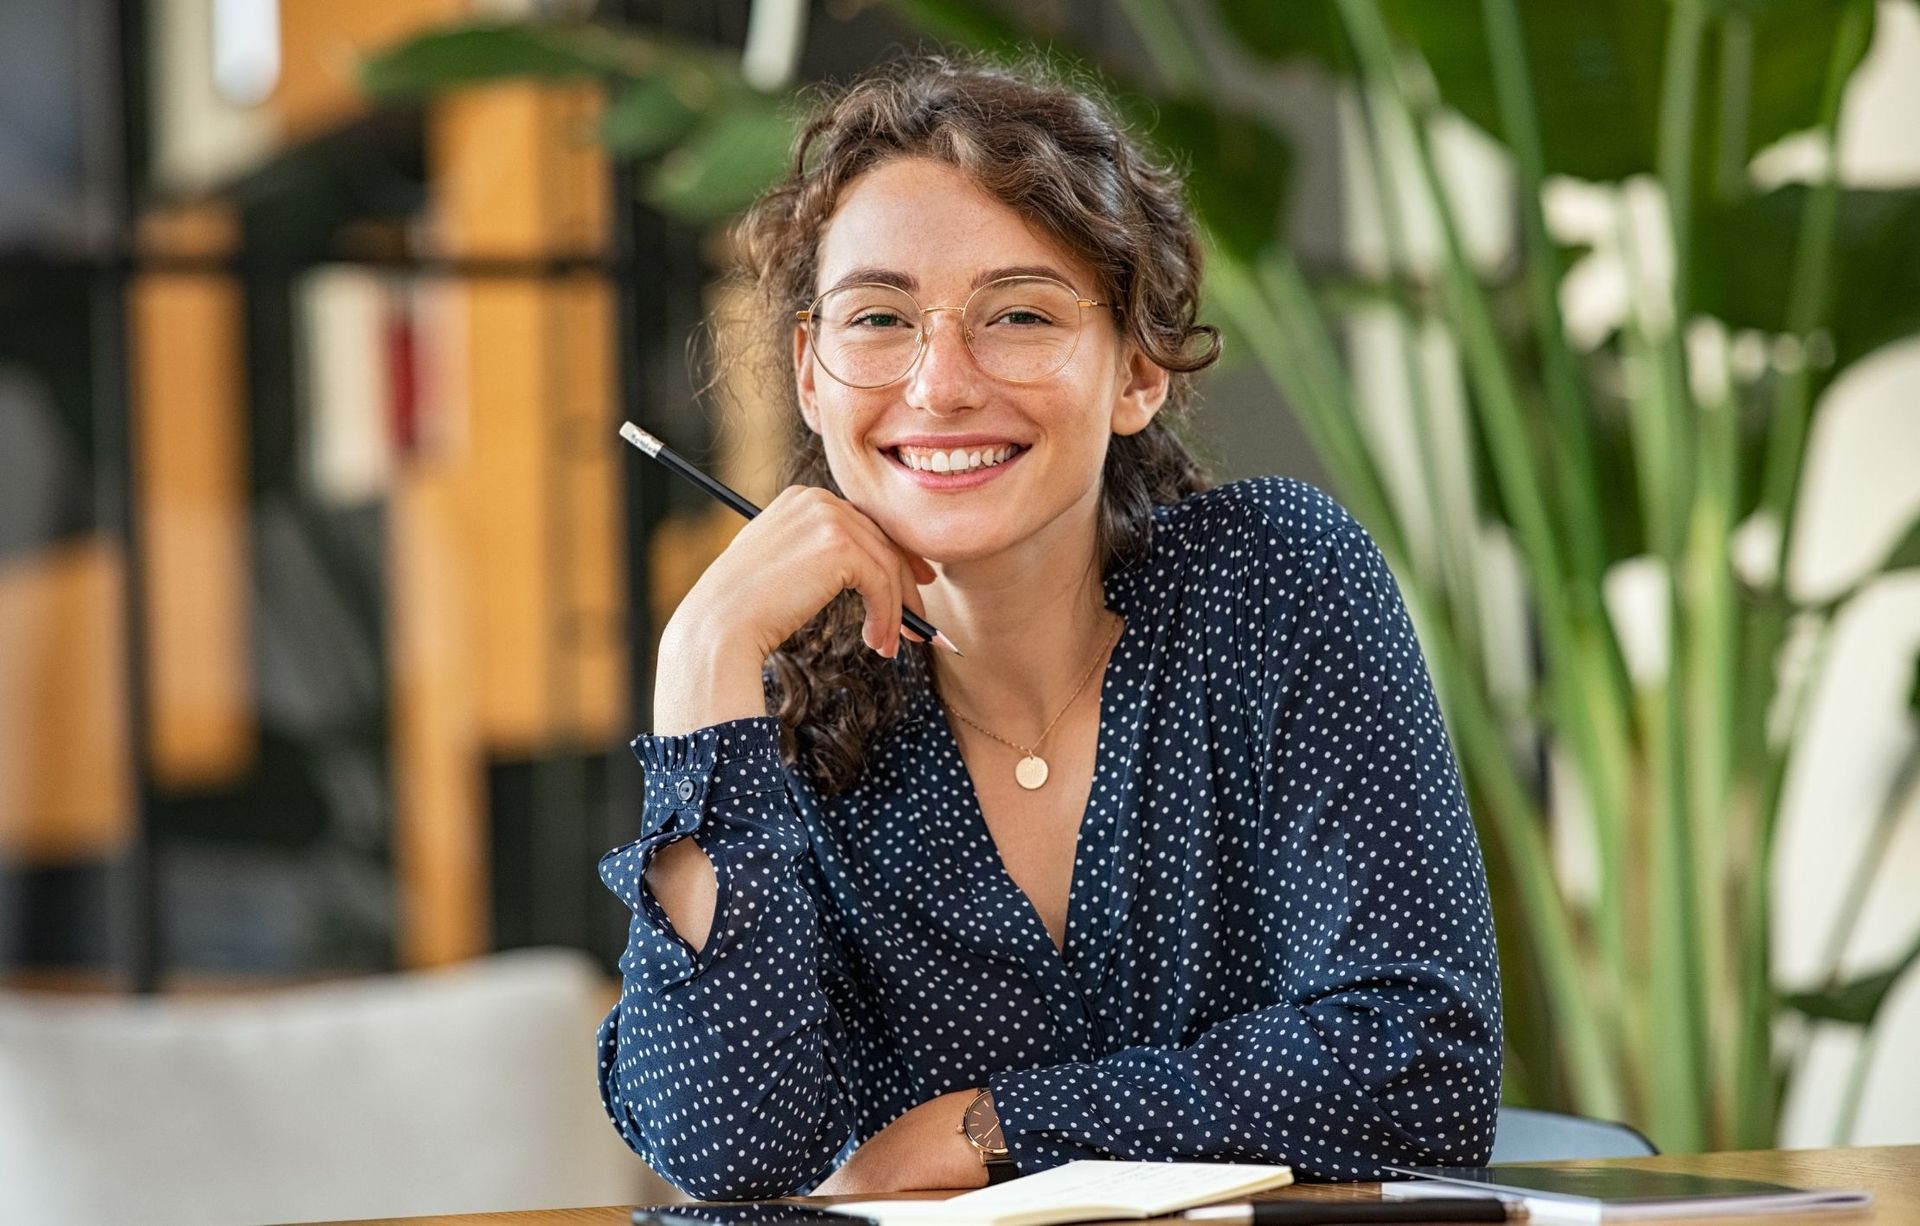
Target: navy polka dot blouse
point(1278, 942)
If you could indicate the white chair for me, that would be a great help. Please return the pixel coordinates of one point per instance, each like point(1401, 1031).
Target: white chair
point(1524, 1134)
point(451, 1091)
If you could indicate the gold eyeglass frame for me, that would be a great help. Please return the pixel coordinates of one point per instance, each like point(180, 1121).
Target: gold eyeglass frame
point(806, 316)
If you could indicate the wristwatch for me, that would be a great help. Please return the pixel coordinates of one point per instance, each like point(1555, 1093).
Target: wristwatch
point(981, 1126)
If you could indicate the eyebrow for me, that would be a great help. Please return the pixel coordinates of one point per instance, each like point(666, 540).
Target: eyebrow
point(910, 283)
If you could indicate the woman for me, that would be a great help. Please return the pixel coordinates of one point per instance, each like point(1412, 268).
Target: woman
point(1188, 875)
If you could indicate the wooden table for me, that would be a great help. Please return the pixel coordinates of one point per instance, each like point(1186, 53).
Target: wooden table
point(1891, 1173)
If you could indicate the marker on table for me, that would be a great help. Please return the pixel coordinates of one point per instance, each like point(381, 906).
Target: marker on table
point(665, 454)
point(1329, 1213)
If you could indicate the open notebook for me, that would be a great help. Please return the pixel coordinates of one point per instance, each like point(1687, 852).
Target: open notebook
point(1616, 1193)
point(1080, 1192)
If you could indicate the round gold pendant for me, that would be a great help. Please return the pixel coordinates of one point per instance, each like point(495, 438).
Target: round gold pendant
point(1031, 773)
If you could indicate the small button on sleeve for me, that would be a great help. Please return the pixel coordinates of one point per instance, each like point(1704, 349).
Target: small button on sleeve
point(686, 771)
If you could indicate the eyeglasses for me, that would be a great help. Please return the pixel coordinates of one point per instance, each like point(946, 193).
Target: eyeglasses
point(1021, 329)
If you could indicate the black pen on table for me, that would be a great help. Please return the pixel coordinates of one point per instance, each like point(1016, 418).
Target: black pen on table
point(665, 454)
point(1328, 1213)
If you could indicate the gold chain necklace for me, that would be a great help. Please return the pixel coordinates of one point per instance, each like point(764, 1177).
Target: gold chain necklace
point(1031, 771)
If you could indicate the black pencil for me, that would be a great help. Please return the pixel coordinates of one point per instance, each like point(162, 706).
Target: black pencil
point(1329, 1213)
point(665, 454)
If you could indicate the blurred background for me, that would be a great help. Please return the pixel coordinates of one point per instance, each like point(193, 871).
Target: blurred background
point(328, 593)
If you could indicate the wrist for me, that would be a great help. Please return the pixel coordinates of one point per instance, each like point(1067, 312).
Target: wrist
point(695, 634)
point(701, 679)
point(920, 1149)
point(704, 622)
point(938, 1144)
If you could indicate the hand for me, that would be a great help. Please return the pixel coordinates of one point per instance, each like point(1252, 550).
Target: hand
point(922, 1149)
point(806, 547)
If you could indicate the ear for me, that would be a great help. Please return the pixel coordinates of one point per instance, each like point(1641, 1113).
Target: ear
point(803, 368)
point(1140, 388)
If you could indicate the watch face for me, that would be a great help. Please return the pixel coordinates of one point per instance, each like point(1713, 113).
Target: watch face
point(983, 1126)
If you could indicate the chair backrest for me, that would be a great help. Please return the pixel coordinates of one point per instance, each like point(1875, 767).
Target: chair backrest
point(1526, 1135)
point(444, 1092)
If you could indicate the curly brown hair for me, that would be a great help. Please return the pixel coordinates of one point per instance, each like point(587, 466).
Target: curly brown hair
point(1056, 153)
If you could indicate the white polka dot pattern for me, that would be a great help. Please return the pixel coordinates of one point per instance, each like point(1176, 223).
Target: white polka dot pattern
point(1278, 948)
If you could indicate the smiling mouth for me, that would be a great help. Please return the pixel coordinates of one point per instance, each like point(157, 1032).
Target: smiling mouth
point(925, 462)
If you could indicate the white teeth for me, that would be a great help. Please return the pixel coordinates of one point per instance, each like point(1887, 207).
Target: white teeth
point(956, 460)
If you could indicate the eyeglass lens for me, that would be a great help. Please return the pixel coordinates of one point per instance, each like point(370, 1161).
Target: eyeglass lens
point(1020, 329)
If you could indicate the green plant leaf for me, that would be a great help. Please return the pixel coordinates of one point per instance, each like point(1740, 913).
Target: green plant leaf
point(969, 23)
point(1906, 553)
point(719, 142)
point(1238, 167)
point(1858, 1002)
point(1587, 59)
point(1793, 49)
point(648, 116)
point(1738, 8)
point(731, 156)
point(1744, 254)
point(430, 62)
point(1308, 29)
point(489, 51)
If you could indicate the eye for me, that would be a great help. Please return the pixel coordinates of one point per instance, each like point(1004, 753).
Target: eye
point(876, 319)
point(1023, 317)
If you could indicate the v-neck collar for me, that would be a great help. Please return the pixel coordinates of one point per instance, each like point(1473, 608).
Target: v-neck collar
point(1097, 899)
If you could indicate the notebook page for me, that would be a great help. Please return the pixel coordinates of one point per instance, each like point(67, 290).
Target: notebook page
point(1148, 1187)
point(1125, 1189)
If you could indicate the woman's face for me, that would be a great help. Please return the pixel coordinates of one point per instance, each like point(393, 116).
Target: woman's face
point(926, 226)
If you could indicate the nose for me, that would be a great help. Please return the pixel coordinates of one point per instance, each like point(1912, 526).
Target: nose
point(944, 380)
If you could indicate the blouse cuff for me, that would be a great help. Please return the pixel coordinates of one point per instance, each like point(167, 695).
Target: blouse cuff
point(687, 770)
point(1093, 1110)
point(1038, 1109)
point(688, 776)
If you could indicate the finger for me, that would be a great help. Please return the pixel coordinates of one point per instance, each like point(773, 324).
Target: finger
point(875, 576)
point(846, 537)
point(903, 562)
point(880, 629)
point(909, 590)
point(909, 596)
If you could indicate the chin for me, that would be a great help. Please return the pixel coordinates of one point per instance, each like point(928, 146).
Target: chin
point(949, 548)
point(982, 532)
